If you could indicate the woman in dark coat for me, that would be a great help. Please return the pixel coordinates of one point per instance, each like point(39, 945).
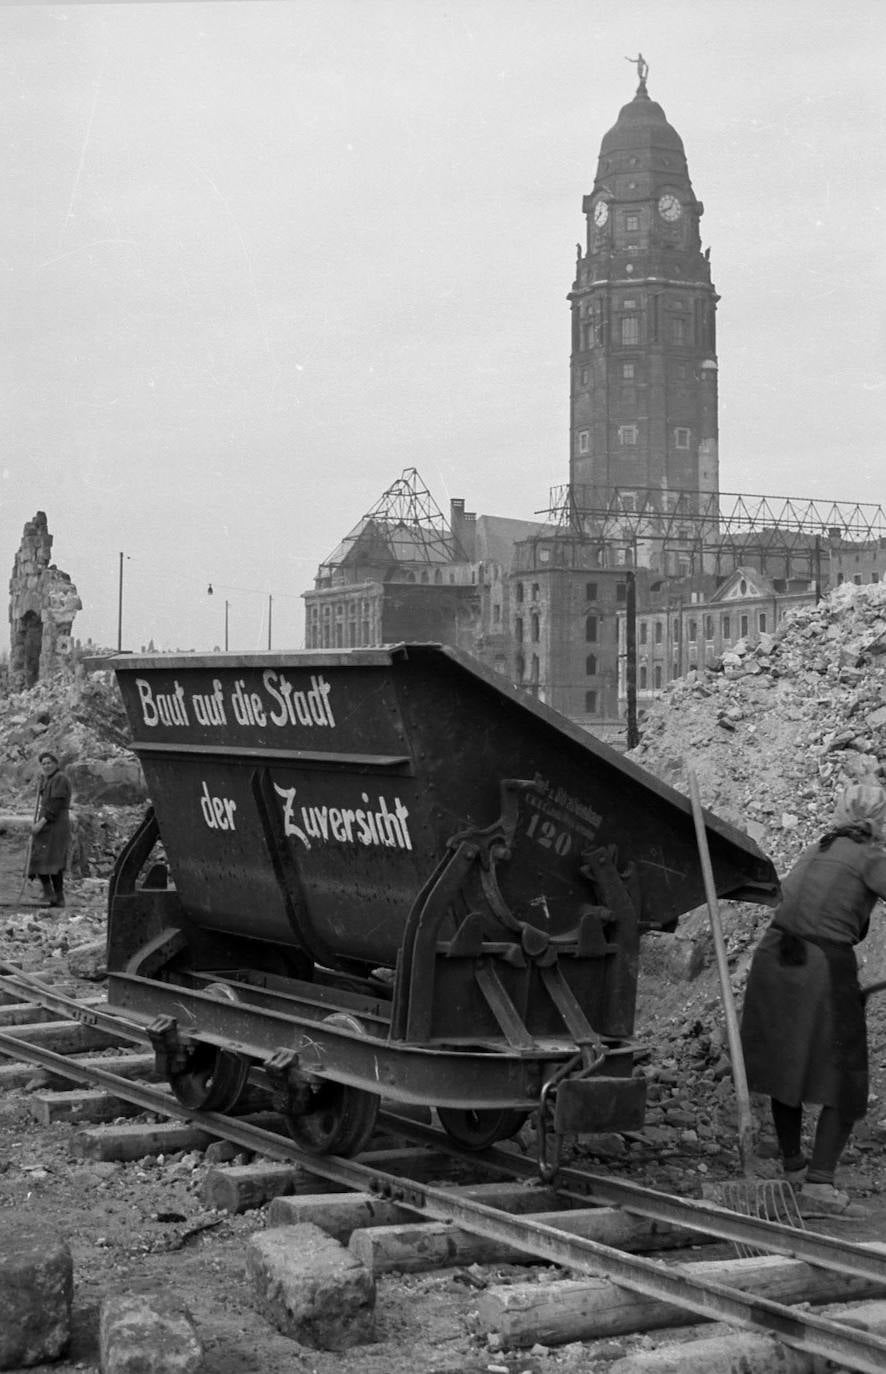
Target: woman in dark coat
point(51, 832)
point(803, 1026)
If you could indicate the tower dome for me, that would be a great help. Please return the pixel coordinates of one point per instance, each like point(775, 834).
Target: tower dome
point(641, 141)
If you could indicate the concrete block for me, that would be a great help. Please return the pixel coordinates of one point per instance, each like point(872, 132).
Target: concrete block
point(147, 1334)
point(36, 1288)
point(311, 1288)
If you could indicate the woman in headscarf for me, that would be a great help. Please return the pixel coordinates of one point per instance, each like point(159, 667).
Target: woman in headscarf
point(803, 1026)
point(51, 832)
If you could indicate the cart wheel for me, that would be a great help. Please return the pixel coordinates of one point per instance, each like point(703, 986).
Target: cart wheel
point(340, 1123)
point(214, 1079)
point(475, 1129)
point(342, 1118)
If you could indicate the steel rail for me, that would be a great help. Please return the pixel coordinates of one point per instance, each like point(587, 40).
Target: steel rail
point(695, 1214)
point(855, 1349)
point(692, 1213)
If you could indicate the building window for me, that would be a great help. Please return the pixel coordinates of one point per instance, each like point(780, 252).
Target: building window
point(535, 590)
point(657, 676)
point(724, 626)
point(839, 579)
point(643, 676)
point(591, 629)
point(678, 331)
point(621, 591)
point(658, 631)
point(534, 627)
point(520, 667)
point(875, 577)
point(591, 703)
point(627, 435)
point(590, 591)
point(496, 614)
point(585, 376)
point(438, 577)
point(644, 631)
point(675, 633)
point(535, 670)
point(632, 223)
point(630, 329)
point(693, 631)
point(709, 627)
point(519, 591)
point(627, 371)
point(591, 665)
point(744, 626)
point(761, 622)
point(675, 669)
point(857, 579)
point(681, 438)
point(584, 441)
point(518, 629)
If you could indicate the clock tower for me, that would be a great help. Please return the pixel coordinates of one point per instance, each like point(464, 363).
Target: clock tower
point(643, 395)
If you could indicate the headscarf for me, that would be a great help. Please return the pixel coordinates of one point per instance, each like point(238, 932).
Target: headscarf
point(862, 804)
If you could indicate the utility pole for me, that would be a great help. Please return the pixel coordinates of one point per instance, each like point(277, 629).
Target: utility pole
point(631, 660)
point(227, 605)
point(120, 608)
point(270, 613)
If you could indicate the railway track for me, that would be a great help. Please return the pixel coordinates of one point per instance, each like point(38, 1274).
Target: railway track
point(653, 1278)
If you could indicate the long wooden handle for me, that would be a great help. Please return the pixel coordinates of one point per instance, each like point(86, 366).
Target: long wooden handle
point(739, 1076)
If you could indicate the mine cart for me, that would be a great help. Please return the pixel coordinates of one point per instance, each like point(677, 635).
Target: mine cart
point(387, 874)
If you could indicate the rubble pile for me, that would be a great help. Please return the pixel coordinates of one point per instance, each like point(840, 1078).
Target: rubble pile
point(81, 719)
point(773, 731)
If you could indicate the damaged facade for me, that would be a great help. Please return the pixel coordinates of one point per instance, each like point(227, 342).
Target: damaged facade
point(42, 604)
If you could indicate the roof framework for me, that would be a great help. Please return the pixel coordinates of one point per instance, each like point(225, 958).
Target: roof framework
point(406, 523)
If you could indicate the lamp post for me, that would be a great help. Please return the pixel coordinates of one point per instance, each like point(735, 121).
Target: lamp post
point(227, 608)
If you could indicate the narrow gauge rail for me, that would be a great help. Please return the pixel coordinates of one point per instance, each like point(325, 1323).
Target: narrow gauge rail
point(855, 1349)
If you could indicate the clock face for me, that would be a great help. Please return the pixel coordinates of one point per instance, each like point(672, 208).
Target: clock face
point(601, 213)
point(669, 208)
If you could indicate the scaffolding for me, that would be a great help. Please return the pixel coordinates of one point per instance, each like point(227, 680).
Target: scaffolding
point(405, 526)
point(718, 530)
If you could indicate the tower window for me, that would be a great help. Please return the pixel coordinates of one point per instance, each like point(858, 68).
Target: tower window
point(591, 703)
point(591, 629)
point(744, 626)
point(724, 625)
point(519, 591)
point(591, 591)
point(591, 665)
point(681, 438)
point(585, 376)
point(627, 435)
point(709, 627)
point(644, 631)
point(630, 329)
point(518, 629)
point(693, 631)
point(632, 223)
point(534, 626)
point(627, 371)
point(761, 622)
point(584, 441)
point(658, 631)
point(643, 677)
point(657, 672)
point(621, 591)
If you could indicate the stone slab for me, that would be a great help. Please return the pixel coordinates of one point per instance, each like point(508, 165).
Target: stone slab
point(311, 1288)
point(148, 1334)
point(36, 1290)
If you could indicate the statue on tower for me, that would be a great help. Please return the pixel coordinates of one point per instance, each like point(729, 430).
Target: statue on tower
point(642, 69)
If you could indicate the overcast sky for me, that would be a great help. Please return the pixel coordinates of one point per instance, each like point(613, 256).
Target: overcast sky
point(259, 257)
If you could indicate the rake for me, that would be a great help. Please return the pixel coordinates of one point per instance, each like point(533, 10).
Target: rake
point(764, 1198)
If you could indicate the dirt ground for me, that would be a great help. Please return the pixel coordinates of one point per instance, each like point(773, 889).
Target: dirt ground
point(129, 1226)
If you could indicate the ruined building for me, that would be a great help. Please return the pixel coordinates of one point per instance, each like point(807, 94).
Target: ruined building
point(42, 604)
